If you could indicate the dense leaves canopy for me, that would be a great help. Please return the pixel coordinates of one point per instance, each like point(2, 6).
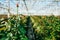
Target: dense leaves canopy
point(45, 28)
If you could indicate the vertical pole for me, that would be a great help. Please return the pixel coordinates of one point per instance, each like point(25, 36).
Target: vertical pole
point(17, 8)
point(17, 5)
point(8, 8)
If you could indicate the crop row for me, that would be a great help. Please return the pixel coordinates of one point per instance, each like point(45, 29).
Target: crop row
point(39, 27)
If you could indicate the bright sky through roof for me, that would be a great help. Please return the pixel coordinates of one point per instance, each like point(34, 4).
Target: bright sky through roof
point(42, 7)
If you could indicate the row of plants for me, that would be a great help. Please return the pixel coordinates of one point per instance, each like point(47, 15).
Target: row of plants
point(13, 29)
point(47, 27)
point(44, 28)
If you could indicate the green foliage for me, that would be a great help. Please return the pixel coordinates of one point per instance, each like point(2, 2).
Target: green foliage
point(45, 28)
point(48, 28)
point(14, 31)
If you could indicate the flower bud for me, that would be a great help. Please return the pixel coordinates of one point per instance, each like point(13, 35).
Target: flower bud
point(17, 5)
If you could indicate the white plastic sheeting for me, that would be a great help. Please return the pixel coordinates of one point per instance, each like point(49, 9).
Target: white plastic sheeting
point(35, 7)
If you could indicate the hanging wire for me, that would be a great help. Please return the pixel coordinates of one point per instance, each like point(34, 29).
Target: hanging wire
point(25, 5)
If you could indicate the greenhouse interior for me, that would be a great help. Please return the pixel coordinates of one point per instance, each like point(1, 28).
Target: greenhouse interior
point(29, 19)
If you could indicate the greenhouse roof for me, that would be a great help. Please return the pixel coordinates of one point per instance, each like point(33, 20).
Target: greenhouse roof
point(40, 7)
